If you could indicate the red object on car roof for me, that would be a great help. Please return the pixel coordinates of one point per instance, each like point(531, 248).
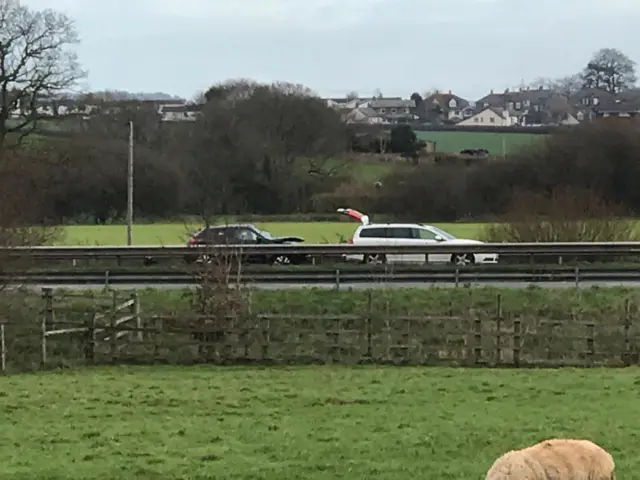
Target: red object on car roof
point(350, 212)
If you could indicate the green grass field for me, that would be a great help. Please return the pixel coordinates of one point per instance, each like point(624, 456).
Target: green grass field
point(311, 422)
point(453, 142)
point(176, 233)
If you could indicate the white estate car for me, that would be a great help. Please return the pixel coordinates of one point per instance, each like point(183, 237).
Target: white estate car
point(410, 234)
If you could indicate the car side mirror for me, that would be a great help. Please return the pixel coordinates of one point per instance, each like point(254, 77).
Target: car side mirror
point(438, 238)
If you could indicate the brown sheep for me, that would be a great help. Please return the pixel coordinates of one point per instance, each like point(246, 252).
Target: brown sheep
point(556, 459)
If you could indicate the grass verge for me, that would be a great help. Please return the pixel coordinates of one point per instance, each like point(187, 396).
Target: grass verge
point(556, 303)
point(313, 423)
point(176, 233)
point(532, 301)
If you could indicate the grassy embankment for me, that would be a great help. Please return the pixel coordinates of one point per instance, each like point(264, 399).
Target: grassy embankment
point(313, 422)
point(317, 422)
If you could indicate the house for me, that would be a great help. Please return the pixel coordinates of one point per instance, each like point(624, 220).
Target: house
point(344, 103)
point(544, 118)
point(363, 115)
point(590, 98)
point(393, 110)
point(539, 107)
point(442, 107)
point(491, 117)
point(625, 104)
point(519, 101)
point(179, 113)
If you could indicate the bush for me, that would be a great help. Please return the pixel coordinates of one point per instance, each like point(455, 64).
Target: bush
point(565, 215)
point(601, 157)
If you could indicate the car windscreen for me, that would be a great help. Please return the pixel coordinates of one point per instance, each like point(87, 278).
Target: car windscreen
point(266, 235)
point(442, 233)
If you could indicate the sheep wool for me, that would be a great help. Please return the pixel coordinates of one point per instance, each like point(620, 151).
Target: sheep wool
point(555, 459)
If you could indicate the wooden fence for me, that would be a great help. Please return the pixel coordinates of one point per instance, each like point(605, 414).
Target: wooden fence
point(120, 332)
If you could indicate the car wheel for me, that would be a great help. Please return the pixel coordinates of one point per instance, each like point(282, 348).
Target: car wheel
point(463, 259)
point(147, 261)
point(204, 258)
point(282, 260)
point(374, 259)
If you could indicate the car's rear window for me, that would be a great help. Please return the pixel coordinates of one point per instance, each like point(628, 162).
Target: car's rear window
point(373, 233)
point(400, 232)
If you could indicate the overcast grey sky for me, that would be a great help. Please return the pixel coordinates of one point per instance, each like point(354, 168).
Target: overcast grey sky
point(335, 46)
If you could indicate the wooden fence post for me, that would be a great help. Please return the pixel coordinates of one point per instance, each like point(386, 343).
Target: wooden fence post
point(498, 328)
point(590, 341)
point(90, 352)
point(369, 322)
point(626, 358)
point(135, 312)
point(112, 325)
point(157, 327)
point(477, 340)
point(47, 294)
point(43, 340)
point(3, 350)
point(517, 338)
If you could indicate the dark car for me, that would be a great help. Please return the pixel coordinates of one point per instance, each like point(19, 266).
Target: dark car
point(243, 234)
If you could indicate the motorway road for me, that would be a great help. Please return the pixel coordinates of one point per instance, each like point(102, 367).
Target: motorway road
point(359, 286)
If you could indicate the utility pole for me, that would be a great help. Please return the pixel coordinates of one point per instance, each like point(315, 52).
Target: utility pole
point(130, 187)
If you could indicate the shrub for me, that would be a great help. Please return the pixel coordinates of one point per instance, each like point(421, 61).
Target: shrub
point(564, 215)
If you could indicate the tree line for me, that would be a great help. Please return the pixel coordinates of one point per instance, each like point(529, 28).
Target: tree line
point(257, 148)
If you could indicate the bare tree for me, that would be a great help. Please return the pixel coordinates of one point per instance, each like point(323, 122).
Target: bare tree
point(610, 70)
point(566, 86)
point(36, 62)
point(252, 147)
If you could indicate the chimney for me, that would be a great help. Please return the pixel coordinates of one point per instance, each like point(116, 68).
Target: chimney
point(492, 91)
point(449, 92)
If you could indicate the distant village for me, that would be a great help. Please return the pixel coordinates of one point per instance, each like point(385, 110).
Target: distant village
point(526, 107)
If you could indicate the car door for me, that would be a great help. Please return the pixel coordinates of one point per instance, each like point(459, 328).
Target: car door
point(210, 236)
point(374, 236)
point(399, 236)
point(244, 236)
point(429, 237)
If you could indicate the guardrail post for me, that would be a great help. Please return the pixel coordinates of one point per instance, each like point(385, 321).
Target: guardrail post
point(577, 276)
point(457, 277)
point(338, 279)
point(106, 279)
